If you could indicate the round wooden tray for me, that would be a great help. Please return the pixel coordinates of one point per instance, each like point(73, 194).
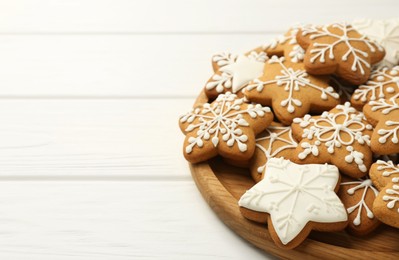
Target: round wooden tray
point(222, 185)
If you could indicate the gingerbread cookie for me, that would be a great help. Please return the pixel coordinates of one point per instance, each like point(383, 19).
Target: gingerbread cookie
point(340, 137)
point(295, 199)
point(290, 90)
point(386, 33)
point(384, 115)
point(383, 83)
point(275, 141)
point(226, 127)
point(339, 49)
point(233, 72)
point(358, 197)
point(385, 176)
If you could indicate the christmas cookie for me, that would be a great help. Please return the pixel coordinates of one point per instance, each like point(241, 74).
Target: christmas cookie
point(358, 197)
point(383, 83)
point(386, 33)
point(339, 49)
point(295, 199)
point(290, 90)
point(276, 141)
point(233, 72)
point(340, 137)
point(385, 176)
point(227, 127)
point(384, 115)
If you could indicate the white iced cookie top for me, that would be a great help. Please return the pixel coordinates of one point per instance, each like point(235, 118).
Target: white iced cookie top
point(295, 194)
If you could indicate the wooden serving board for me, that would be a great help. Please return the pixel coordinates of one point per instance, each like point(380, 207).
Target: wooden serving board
point(222, 185)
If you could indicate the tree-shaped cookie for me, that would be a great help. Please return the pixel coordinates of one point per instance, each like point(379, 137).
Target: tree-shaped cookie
point(385, 176)
point(295, 199)
point(233, 72)
point(339, 49)
point(386, 33)
point(383, 83)
point(358, 196)
point(340, 137)
point(226, 127)
point(275, 141)
point(291, 91)
point(384, 115)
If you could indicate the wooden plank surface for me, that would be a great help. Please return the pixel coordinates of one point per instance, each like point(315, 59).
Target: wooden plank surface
point(112, 66)
point(121, 16)
point(112, 220)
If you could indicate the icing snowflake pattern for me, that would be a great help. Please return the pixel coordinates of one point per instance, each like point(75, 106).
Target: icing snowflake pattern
point(323, 50)
point(388, 169)
point(383, 82)
point(274, 133)
point(392, 196)
point(367, 186)
point(327, 131)
point(294, 195)
point(291, 80)
point(223, 117)
point(386, 108)
point(236, 71)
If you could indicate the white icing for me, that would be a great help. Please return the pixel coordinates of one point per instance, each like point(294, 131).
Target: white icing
point(291, 80)
point(386, 107)
point(275, 133)
point(388, 168)
point(224, 117)
point(294, 195)
point(392, 196)
point(326, 130)
point(367, 186)
point(382, 81)
point(290, 38)
point(297, 54)
point(385, 32)
point(322, 50)
point(236, 71)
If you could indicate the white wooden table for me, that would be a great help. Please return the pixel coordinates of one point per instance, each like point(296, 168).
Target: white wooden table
point(90, 94)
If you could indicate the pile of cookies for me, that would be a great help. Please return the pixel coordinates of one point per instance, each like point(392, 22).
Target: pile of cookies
point(314, 115)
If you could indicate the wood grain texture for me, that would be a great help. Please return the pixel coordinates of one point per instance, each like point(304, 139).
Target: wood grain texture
point(121, 16)
point(135, 138)
point(113, 66)
point(112, 220)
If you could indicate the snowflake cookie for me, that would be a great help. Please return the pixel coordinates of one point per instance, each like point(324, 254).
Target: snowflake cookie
point(358, 197)
point(383, 83)
point(385, 176)
point(294, 199)
point(275, 141)
point(386, 33)
point(384, 115)
point(338, 48)
point(227, 127)
point(340, 137)
point(290, 90)
point(233, 72)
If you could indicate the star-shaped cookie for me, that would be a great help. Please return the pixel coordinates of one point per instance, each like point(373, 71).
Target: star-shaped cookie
point(290, 90)
point(294, 199)
point(338, 48)
point(384, 115)
point(233, 72)
point(340, 137)
point(226, 127)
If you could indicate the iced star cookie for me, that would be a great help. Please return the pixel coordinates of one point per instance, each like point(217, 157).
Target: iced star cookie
point(339, 49)
point(294, 200)
point(358, 197)
point(386, 33)
point(385, 176)
point(384, 115)
point(274, 142)
point(340, 137)
point(227, 127)
point(383, 83)
point(290, 90)
point(233, 72)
